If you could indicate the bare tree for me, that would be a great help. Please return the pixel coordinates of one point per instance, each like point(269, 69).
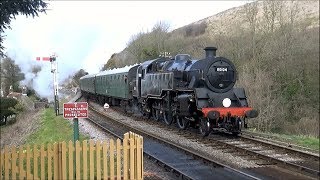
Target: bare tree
point(271, 10)
point(160, 35)
point(251, 11)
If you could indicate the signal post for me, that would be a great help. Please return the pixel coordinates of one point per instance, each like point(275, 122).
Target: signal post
point(54, 71)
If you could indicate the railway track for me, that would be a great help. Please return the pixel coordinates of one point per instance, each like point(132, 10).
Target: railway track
point(270, 139)
point(261, 151)
point(183, 162)
point(264, 153)
point(306, 161)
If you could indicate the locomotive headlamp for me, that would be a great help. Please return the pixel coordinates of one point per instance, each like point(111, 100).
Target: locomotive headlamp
point(226, 102)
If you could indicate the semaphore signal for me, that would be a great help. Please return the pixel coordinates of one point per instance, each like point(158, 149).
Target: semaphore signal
point(54, 71)
point(43, 58)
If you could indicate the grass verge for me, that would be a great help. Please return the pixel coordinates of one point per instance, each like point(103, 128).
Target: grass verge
point(53, 129)
point(300, 140)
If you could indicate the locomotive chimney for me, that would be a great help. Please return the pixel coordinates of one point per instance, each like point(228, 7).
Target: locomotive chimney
point(210, 52)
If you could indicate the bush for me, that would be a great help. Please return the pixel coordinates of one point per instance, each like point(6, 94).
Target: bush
point(7, 108)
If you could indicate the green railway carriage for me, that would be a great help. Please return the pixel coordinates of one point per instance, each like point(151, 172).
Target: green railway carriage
point(113, 85)
point(87, 84)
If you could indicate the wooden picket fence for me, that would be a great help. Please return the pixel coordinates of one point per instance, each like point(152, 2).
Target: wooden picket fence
point(100, 160)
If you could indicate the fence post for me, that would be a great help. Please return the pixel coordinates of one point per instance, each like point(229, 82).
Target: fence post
point(42, 158)
point(56, 161)
point(105, 159)
point(49, 155)
point(98, 155)
point(71, 149)
point(91, 157)
point(6, 162)
point(1, 165)
point(131, 156)
point(59, 161)
point(14, 162)
point(139, 158)
point(85, 159)
point(35, 161)
point(28, 169)
point(63, 168)
point(141, 152)
point(21, 156)
point(111, 159)
point(78, 150)
point(125, 156)
point(118, 159)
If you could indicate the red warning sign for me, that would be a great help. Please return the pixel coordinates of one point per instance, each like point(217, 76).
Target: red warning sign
point(75, 110)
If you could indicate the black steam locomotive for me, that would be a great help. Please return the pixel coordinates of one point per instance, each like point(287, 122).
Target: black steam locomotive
point(196, 93)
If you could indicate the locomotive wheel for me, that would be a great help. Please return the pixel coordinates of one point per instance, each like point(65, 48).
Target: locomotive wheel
point(156, 114)
point(235, 133)
point(182, 122)
point(166, 115)
point(204, 127)
point(167, 118)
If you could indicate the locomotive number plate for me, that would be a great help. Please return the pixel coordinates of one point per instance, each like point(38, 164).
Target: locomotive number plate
point(222, 69)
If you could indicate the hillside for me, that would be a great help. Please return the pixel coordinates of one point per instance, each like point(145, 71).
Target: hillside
point(275, 47)
point(231, 23)
point(226, 21)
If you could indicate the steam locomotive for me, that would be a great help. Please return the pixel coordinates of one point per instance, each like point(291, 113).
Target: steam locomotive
point(191, 93)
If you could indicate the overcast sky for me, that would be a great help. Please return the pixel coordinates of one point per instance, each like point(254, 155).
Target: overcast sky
point(84, 34)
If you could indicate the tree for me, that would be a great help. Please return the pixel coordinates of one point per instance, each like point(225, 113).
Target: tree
point(78, 75)
point(7, 109)
point(110, 63)
point(148, 45)
point(270, 11)
point(160, 35)
point(9, 9)
point(251, 11)
point(11, 74)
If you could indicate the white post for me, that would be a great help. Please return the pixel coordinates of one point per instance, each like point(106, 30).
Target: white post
point(54, 70)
